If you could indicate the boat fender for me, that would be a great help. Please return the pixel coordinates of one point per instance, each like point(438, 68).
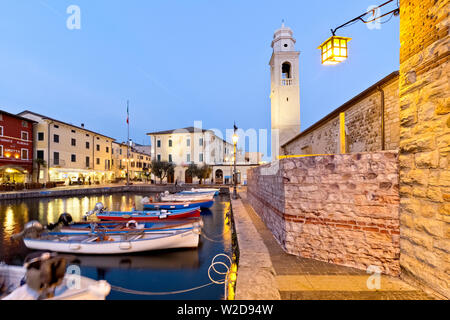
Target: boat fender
point(126, 245)
point(163, 216)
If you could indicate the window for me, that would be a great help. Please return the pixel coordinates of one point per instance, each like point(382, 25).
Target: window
point(56, 126)
point(120, 151)
point(73, 158)
point(200, 142)
point(170, 142)
point(1, 130)
point(73, 131)
point(98, 160)
point(188, 142)
point(188, 157)
point(24, 135)
point(98, 147)
point(24, 124)
point(112, 150)
point(40, 154)
point(200, 157)
point(24, 154)
point(88, 162)
point(87, 145)
point(170, 158)
point(107, 149)
point(56, 158)
point(1, 151)
point(74, 142)
point(158, 157)
point(40, 136)
point(56, 138)
point(158, 143)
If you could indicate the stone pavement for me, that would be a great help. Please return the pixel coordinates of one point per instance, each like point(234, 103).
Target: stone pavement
point(267, 272)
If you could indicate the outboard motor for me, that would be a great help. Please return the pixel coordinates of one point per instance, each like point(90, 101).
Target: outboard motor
point(31, 230)
point(65, 219)
point(45, 271)
point(97, 209)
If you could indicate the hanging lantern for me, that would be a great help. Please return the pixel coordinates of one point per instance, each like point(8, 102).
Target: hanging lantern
point(334, 50)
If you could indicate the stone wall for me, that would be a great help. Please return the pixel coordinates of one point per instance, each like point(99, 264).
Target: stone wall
point(425, 143)
point(341, 209)
point(362, 121)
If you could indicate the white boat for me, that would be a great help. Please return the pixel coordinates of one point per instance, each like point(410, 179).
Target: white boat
point(187, 197)
point(115, 243)
point(201, 190)
point(20, 283)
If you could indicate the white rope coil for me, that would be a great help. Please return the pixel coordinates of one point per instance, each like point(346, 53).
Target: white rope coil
point(212, 267)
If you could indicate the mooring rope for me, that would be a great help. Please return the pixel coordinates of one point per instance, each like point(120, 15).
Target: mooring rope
point(213, 281)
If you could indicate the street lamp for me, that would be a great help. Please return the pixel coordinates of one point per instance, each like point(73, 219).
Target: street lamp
point(334, 50)
point(235, 141)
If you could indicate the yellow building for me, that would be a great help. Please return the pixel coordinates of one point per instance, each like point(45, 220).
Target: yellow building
point(73, 155)
point(137, 162)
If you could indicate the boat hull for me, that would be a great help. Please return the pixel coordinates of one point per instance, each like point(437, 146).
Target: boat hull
point(186, 239)
point(190, 212)
point(178, 205)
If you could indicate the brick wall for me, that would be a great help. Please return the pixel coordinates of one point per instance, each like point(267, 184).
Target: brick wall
point(363, 126)
point(341, 209)
point(425, 143)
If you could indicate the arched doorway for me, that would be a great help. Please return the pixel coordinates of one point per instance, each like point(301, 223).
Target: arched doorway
point(187, 177)
point(219, 177)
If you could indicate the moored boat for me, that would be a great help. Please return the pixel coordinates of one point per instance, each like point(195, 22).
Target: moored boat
point(153, 215)
point(129, 226)
point(172, 205)
point(115, 243)
point(201, 191)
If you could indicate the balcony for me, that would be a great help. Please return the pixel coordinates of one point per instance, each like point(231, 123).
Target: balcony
point(287, 82)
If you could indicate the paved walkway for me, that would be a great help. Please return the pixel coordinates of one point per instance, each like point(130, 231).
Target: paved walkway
point(298, 278)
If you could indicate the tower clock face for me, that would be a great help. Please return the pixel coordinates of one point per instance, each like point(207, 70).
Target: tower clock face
point(285, 45)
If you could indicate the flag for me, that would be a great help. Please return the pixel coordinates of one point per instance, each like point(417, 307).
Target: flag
point(235, 127)
point(128, 114)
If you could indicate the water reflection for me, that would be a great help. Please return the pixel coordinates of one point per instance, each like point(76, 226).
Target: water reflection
point(152, 271)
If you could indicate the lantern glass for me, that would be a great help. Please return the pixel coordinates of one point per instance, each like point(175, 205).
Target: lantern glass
point(334, 50)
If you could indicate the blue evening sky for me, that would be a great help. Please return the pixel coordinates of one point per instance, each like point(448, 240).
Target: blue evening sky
point(179, 61)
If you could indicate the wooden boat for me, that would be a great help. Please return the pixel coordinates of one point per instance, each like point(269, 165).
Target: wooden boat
point(130, 226)
point(115, 243)
point(171, 205)
point(201, 191)
point(22, 283)
point(154, 215)
point(187, 197)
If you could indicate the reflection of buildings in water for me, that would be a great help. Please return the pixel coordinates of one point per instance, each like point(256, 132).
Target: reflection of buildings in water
point(163, 260)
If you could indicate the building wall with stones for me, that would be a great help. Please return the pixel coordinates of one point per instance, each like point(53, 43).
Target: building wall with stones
point(425, 143)
point(342, 209)
point(363, 122)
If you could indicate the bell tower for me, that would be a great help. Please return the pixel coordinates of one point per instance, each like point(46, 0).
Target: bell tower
point(285, 89)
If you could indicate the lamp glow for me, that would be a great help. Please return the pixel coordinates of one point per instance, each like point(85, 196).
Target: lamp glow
point(334, 50)
point(235, 138)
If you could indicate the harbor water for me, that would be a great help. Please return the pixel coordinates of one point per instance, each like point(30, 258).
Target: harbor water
point(158, 274)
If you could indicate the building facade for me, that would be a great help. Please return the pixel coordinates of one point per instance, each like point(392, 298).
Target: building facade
point(16, 148)
point(137, 163)
point(189, 145)
point(285, 89)
point(73, 155)
point(371, 124)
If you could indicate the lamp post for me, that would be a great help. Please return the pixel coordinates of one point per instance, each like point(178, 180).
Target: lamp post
point(235, 141)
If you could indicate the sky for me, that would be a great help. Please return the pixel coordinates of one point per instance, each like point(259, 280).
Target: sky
point(180, 61)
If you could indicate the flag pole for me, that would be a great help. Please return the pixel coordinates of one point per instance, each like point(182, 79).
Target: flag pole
point(128, 142)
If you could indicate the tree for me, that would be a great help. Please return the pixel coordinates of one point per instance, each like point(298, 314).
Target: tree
point(162, 169)
point(203, 172)
point(146, 173)
point(39, 163)
point(192, 170)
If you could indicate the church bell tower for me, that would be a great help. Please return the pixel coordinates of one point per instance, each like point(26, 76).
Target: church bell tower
point(285, 89)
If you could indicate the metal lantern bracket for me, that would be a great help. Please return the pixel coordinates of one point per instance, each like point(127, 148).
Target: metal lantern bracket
point(395, 12)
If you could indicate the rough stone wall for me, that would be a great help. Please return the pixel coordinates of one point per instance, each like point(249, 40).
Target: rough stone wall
point(363, 126)
point(341, 209)
point(425, 143)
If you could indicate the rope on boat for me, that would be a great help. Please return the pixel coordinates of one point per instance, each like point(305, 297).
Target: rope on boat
point(213, 265)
